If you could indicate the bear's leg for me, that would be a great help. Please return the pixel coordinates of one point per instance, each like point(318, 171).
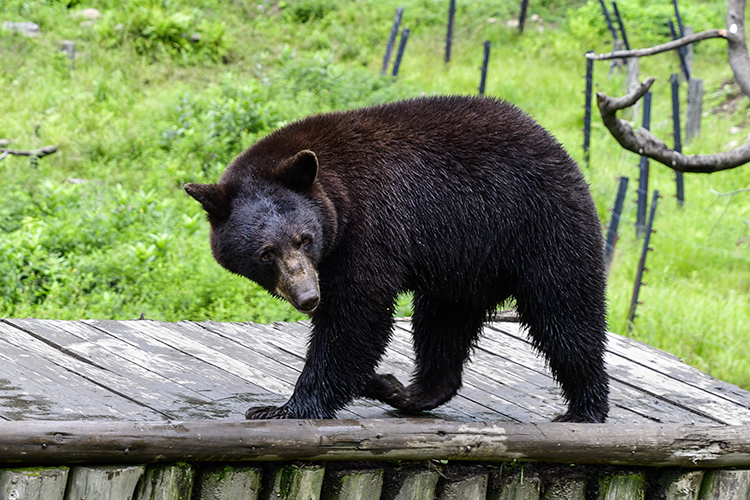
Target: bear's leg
point(572, 338)
point(347, 342)
point(444, 333)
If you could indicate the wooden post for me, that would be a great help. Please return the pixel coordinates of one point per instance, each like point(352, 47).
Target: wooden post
point(392, 40)
point(103, 483)
point(677, 135)
point(166, 482)
point(642, 262)
point(33, 484)
point(230, 483)
point(725, 485)
point(296, 483)
point(679, 485)
point(694, 109)
point(632, 82)
point(410, 484)
point(400, 53)
point(587, 111)
point(622, 487)
point(353, 485)
point(485, 62)
point(567, 489)
point(514, 483)
point(463, 483)
point(643, 175)
point(449, 36)
point(614, 222)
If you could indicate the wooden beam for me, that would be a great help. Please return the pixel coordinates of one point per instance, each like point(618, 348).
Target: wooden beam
point(71, 442)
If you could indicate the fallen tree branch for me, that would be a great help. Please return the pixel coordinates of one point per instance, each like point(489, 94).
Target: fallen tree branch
point(674, 44)
point(645, 143)
point(46, 150)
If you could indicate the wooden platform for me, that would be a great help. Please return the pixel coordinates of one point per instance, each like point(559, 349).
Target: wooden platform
point(152, 371)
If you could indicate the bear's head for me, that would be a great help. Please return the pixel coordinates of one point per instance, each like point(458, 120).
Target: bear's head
point(268, 227)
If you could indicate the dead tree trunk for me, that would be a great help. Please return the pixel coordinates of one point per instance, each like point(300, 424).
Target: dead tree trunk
point(642, 141)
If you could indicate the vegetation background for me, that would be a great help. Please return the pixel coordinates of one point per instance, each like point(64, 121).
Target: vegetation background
point(164, 92)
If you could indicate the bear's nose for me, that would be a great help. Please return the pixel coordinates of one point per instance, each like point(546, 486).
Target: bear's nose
point(308, 301)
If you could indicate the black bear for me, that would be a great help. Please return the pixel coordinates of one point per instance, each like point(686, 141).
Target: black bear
point(464, 201)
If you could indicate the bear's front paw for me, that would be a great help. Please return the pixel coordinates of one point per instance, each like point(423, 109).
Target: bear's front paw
point(265, 412)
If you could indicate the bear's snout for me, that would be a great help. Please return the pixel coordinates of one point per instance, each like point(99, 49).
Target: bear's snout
point(298, 282)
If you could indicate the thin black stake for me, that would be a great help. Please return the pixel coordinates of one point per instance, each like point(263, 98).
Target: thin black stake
point(392, 40)
point(642, 261)
point(679, 178)
point(680, 52)
point(587, 111)
point(621, 25)
point(400, 53)
point(485, 62)
point(449, 36)
point(679, 19)
point(609, 20)
point(522, 16)
point(640, 221)
point(614, 223)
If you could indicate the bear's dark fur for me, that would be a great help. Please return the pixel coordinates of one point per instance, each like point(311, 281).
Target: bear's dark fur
point(464, 201)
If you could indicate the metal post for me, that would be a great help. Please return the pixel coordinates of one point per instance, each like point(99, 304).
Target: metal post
point(522, 16)
point(587, 111)
point(449, 37)
point(614, 223)
point(679, 178)
point(609, 20)
point(400, 53)
point(621, 25)
point(680, 52)
point(392, 40)
point(485, 62)
point(643, 176)
point(642, 261)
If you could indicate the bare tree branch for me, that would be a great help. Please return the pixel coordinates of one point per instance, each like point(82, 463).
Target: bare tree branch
point(674, 44)
point(46, 150)
point(737, 54)
point(644, 143)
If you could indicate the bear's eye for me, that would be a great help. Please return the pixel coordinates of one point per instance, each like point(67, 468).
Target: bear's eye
point(306, 240)
point(266, 255)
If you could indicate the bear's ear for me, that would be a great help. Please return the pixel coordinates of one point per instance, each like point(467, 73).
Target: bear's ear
point(213, 197)
point(299, 171)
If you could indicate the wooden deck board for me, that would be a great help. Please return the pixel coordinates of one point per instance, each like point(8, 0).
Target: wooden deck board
point(148, 370)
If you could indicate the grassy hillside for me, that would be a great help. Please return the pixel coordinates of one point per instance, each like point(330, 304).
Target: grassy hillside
point(167, 92)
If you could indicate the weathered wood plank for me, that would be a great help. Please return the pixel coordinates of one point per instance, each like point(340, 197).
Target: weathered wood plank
point(352, 485)
point(52, 389)
point(229, 483)
point(33, 484)
point(166, 482)
point(137, 365)
point(725, 485)
point(103, 483)
point(375, 439)
point(294, 482)
point(231, 392)
point(669, 389)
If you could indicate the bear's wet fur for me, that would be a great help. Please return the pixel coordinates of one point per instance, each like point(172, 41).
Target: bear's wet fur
point(464, 201)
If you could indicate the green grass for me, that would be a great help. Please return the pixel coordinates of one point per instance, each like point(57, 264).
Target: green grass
point(146, 109)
